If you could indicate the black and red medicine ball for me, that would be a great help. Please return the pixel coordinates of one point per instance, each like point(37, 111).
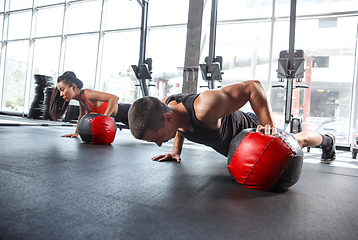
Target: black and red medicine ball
point(265, 162)
point(97, 129)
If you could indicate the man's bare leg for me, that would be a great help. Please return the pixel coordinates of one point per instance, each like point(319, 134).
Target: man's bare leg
point(309, 139)
point(313, 139)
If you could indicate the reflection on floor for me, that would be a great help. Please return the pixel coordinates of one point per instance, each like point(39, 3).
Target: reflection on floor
point(344, 159)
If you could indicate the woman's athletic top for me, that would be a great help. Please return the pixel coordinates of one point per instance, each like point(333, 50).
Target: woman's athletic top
point(122, 112)
point(100, 109)
point(219, 139)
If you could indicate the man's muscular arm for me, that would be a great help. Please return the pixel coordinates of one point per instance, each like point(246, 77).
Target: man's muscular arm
point(212, 105)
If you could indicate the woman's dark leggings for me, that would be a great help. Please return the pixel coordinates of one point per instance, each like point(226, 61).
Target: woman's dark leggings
point(122, 113)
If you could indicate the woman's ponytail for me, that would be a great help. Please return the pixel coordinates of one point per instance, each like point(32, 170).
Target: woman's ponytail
point(58, 106)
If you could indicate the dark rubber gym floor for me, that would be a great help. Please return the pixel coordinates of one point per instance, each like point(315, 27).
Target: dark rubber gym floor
point(61, 188)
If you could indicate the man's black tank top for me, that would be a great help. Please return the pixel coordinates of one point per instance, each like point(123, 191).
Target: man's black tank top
point(219, 139)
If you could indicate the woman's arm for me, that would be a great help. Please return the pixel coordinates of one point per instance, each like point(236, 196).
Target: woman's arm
point(82, 113)
point(112, 100)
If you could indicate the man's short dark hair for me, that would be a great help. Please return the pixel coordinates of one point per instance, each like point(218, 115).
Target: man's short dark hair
point(146, 113)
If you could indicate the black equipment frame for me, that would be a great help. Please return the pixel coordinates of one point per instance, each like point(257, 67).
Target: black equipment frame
point(291, 66)
point(144, 67)
point(211, 69)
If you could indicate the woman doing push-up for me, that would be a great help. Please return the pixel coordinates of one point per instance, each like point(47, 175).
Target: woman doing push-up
point(70, 87)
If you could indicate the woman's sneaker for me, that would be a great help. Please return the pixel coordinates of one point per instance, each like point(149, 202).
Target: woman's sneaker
point(329, 153)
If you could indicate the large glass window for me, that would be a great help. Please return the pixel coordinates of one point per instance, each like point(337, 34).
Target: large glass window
point(123, 14)
point(43, 15)
point(84, 17)
point(48, 2)
point(166, 12)
point(46, 56)
point(45, 60)
point(1, 26)
point(19, 4)
point(15, 76)
point(2, 5)
point(307, 7)
point(81, 58)
point(119, 53)
point(230, 10)
point(19, 25)
point(329, 47)
point(167, 49)
point(246, 57)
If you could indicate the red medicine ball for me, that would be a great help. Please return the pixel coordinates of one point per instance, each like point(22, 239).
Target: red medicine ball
point(97, 129)
point(265, 162)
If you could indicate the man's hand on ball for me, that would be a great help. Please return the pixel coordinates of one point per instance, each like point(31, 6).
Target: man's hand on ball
point(267, 130)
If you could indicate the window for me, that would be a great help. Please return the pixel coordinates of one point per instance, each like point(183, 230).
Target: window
point(45, 60)
point(246, 57)
point(167, 12)
point(48, 2)
point(167, 49)
point(19, 25)
point(231, 10)
point(307, 7)
point(84, 17)
point(46, 56)
point(15, 76)
point(81, 56)
point(43, 27)
point(19, 4)
point(123, 14)
point(117, 76)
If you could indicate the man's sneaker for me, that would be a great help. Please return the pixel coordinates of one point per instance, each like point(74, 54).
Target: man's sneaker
point(329, 153)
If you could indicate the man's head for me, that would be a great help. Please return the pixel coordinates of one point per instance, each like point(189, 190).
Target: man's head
point(148, 118)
